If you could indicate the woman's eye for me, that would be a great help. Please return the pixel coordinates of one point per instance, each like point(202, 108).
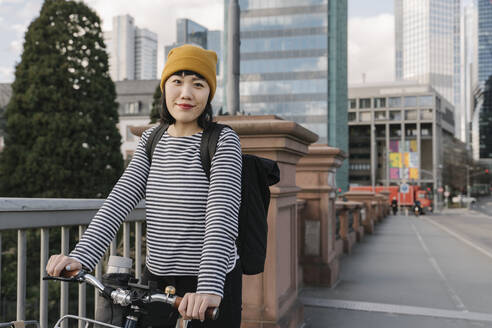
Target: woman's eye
point(199, 85)
point(177, 81)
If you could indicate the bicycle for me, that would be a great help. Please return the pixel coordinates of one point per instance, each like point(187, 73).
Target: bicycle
point(134, 297)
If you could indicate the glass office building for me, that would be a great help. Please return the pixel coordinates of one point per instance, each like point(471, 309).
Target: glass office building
point(428, 46)
point(294, 65)
point(482, 116)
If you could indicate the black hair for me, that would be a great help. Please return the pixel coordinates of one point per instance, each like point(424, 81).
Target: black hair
point(205, 117)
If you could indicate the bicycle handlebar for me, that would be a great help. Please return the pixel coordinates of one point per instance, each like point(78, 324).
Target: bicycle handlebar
point(124, 297)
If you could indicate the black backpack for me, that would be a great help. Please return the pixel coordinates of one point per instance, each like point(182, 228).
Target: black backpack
point(257, 175)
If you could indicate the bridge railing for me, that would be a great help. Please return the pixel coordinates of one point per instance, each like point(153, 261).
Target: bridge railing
point(22, 214)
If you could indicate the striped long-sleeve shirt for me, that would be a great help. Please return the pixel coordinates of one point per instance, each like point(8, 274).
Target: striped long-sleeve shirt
point(192, 224)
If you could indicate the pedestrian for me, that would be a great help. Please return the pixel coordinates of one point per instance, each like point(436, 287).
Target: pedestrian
point(192, 223)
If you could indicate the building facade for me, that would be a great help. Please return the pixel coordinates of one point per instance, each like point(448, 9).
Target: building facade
point(132, 51)
point(428, 47)
point(403, 132)
point(293, 63)
point(482, 114)
point(145, 54)
point(135, 103)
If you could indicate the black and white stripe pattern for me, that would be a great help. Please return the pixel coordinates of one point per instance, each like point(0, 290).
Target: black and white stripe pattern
point(192, 224)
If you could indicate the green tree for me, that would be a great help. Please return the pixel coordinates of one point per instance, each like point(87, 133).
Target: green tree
point(155, 115)
point(61, 135)
point(61, 138)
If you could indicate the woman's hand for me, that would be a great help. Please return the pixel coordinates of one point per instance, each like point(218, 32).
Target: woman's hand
point(193, 305)
point(61, 263)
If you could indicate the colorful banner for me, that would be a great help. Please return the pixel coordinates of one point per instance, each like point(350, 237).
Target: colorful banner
point(413, 146)
point(394, 146)
point(413, 173)
point(395, 160)
point(405, 160)
point(413, 160)
point(394, 173)
point(404, 173)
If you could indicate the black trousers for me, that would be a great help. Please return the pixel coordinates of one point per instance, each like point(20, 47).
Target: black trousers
point(162, 316)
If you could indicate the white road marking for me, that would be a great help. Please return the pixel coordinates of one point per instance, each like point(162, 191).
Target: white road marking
point(452, 293)
point(461, 238)
point(395, 309)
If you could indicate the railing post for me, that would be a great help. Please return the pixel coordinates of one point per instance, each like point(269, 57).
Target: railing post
point(43, 294)
point(65, 235)
point(138, 249)
point(21, 274)
point(82, 290)
point(113, 247)
point(98, 275)
point(126, 239)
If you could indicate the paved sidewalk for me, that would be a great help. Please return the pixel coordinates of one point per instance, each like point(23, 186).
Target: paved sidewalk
point(410, 273)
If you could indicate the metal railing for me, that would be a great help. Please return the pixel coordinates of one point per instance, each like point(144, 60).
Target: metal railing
point(44, 214)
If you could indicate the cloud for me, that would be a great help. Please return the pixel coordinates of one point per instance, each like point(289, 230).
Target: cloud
point(371, 48)
point(6, 74)
point(16, 46)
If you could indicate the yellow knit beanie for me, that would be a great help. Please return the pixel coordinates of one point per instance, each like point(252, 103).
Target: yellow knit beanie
point(192, 58)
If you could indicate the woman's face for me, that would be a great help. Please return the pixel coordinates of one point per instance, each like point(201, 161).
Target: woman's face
point(186, 97)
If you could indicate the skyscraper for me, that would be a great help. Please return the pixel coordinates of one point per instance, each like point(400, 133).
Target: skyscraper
point(482, 116)
point(427, 46)
point(122, 50)
point(294, 65)
point(145, 54)
point(132, 51)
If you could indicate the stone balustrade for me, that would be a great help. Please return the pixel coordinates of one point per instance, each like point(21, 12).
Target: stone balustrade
point(315, 175)
point(349, 223)
point(371, 215)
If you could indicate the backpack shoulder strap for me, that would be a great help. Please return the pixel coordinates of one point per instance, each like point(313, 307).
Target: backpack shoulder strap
point(208, 145)
point(154, 138)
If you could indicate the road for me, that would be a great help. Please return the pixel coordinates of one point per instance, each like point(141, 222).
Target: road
point(432, 271)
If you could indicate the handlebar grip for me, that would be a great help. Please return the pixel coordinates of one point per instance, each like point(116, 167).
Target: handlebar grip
point(211, 313)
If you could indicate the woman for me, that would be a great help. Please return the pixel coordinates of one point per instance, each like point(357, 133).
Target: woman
point(192, 223)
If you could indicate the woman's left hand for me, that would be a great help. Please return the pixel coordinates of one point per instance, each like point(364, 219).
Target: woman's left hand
point(193, 305)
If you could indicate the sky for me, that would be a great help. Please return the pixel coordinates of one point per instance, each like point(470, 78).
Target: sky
point(370, 29)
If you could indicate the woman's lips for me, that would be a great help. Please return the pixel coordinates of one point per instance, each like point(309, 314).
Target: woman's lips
point(185, 106)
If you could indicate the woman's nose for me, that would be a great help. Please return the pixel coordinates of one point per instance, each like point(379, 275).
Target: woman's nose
point(186, 90)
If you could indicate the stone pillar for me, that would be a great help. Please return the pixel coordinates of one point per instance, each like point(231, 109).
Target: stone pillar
point(270, 299)
point(349, 223)
point(316, 178)
point(366, 197)
point(387, 201)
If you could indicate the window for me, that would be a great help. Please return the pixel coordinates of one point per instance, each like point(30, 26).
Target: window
point(132, 108)
point(410, 101)
point(379, 102)
point(426, 130)
point(351, 117)
point(365, 116)
point(395, 115)
point(410, 114)
point(426, 101)
point(394, 102)
point(411, 130)
point(426, 114)
point(352, 103)
point(380, 115)
point(365, 103)
point(395, 131)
